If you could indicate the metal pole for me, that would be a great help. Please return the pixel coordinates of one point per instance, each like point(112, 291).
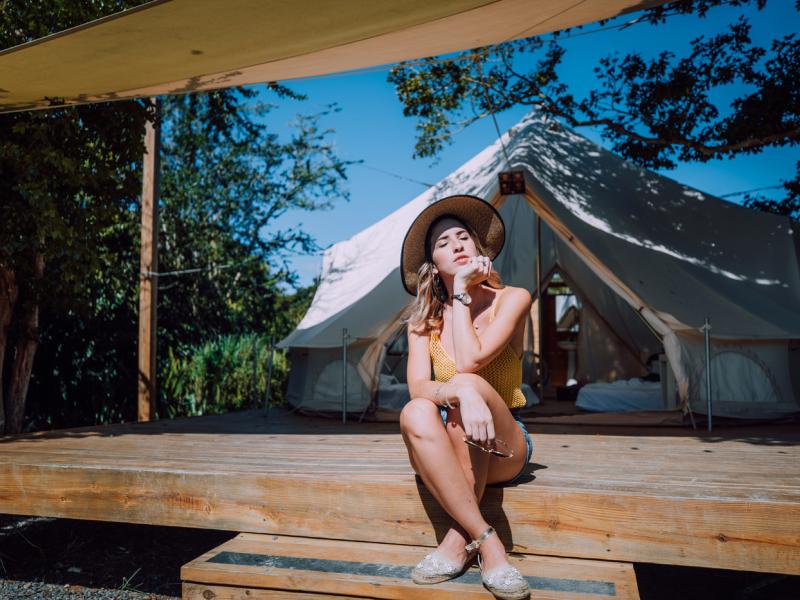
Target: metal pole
point(344, 375)
point(254, 393)
point(269, 374)
point(539, 310)
point(706, 330)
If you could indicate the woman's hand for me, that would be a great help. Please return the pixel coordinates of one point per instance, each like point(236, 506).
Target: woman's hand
point(474, 271)
point(476, 416)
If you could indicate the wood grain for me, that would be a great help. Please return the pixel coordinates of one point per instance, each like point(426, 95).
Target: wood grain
point(726, 500)
point(383, 571)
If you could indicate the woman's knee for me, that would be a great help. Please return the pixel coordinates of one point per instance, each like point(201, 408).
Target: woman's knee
point(418, 415)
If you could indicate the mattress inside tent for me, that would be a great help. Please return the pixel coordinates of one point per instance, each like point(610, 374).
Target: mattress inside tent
point(620, 396)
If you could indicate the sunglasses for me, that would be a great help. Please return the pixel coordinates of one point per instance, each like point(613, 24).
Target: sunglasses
point(508, 454)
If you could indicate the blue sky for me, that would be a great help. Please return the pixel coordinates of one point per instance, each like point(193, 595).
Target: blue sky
point(371, 125)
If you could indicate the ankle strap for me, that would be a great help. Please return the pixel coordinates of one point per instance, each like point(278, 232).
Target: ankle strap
point(474, 544)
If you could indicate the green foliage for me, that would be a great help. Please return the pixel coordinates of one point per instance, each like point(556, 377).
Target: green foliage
point(28, 20)
point(226, 180)
point(654, 112)
point(70, 181)
point(217, 376)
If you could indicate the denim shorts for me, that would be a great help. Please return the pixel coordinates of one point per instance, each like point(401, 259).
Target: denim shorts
point(528, 441)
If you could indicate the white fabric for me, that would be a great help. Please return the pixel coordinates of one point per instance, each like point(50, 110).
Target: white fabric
point(620, 396)
point(531, 398)
point(650, 257)
point(367, 266)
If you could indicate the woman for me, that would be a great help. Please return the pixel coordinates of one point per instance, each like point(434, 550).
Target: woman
point(470, 328)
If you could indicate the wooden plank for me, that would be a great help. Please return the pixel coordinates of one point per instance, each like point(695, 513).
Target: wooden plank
point(703, 532)
point(691, 467)
point(726, 500)
point(198, 591)
point(384, 570)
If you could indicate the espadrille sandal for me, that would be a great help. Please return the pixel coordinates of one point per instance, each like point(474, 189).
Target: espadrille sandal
point(435, 568)
point(504, 582)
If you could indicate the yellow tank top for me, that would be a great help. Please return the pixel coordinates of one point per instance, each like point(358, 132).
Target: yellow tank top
point(504, 373)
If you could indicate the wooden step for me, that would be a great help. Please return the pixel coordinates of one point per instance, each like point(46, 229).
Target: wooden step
point(257, 566)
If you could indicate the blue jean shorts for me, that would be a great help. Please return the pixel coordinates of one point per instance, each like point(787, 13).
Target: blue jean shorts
point(514, 413)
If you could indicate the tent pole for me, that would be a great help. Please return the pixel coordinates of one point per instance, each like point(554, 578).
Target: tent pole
point(269, 374)
point(706, 329)
point(539, 310)
point(254, 391)
point(344, 375)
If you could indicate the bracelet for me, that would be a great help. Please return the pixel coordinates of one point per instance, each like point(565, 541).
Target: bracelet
point(444, 401)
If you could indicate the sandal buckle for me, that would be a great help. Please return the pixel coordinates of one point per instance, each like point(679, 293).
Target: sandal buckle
point(475, 544)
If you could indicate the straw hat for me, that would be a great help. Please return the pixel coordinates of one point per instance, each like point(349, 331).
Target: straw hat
point(477, 214)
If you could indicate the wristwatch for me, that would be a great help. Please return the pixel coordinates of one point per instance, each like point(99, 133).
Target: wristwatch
point(463, 297)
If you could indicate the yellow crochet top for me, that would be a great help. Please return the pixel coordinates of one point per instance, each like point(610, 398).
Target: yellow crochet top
point(504, 373)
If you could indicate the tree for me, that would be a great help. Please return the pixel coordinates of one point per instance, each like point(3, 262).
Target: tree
point(65, 175)
point(226, 181)
point(70, 182)
point(225, 184)
point(655, 112)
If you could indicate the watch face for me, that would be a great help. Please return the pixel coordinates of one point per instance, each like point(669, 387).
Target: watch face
point(464, 298)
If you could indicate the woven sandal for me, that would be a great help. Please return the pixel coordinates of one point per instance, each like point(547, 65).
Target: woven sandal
point(504, 582)
point(435, 568)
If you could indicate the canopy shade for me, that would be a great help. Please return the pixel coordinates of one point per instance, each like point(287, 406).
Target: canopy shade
point(179, 46)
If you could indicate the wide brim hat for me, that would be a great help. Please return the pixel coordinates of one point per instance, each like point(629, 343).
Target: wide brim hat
point(479, 215)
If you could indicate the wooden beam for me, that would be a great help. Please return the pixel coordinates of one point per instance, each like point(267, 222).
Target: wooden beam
point(148, 282)
point(727, 500)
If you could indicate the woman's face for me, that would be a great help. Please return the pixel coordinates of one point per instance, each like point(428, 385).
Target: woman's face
point(451, 246)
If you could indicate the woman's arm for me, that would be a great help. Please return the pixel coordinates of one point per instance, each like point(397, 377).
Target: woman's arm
point(472, 351)
point(418, 372)
point(475, 413)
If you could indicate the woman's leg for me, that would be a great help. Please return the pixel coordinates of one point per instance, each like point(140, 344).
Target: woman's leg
point(496, 469)
point(432, 456)
point(479, 467)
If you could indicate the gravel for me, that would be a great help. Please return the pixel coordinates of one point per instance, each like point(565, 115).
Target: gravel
point(44, 557)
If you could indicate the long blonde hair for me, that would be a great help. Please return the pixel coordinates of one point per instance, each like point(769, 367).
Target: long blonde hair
point(426, 311)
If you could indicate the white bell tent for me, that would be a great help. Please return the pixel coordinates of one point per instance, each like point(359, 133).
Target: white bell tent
point(648, 258)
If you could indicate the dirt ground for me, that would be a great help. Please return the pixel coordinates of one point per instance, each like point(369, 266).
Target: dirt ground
point(66, 558)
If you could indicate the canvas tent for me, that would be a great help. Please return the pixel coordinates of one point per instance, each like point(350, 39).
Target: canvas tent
point(648, 257)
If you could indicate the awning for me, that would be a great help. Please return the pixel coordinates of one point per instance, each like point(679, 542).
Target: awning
point(179, 46)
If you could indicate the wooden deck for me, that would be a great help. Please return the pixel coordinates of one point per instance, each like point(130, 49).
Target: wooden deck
point(730, 499)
